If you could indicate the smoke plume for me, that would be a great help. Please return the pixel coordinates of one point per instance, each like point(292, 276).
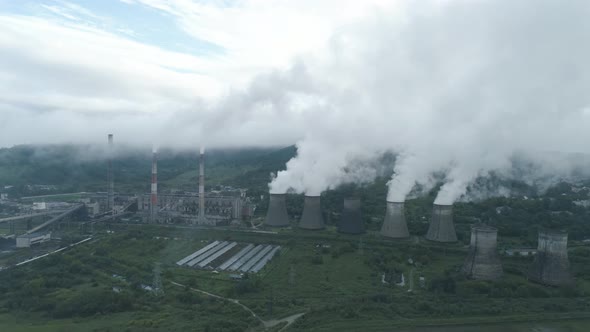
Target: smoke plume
point(458, 87)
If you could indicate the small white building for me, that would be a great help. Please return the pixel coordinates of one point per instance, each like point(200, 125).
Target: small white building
point(37, 206)
point(26, 240)
point(521, 252)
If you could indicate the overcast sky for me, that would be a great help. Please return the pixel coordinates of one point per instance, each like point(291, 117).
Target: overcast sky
point(72, 71)
point(458, 87)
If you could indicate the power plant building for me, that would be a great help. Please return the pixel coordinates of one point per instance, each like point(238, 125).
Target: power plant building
point(312, 218)
point(351, 221)
point(442, 228)
point(186, 208)
point(551, 265)
point(276, 215)
point(394, 225)
point(483, 262)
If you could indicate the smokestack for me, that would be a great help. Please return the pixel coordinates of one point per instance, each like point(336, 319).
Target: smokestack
point(110, 178)
point(276, 215)
point(352, 220)
point(551, 265)
point(312, 214)
point(482, 262)
point(202, 184)
point(395, 225)
point(441, 227)
point(154, 192)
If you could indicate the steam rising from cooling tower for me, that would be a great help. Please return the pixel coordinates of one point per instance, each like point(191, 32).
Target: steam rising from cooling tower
point(442, 228)
point(276, 215)
point(394, 225)
point(312, 214)
point(551, 265)
point(351, 221)
point(154, 187)
point(482, 261)
point(110, 177)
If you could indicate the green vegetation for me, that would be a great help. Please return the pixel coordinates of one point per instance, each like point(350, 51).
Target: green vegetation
point(341, 282)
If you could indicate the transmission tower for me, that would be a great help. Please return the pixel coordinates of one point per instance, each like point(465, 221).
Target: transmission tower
point(158, 288)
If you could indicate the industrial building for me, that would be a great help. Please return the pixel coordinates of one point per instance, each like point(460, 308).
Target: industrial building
point(351, 221)
point(442, 228)
point(551, 265)
point(312, 218)
point(186, 208)
point(483, 262)
point(394, 225)
point(27, 240)
point(277, 211)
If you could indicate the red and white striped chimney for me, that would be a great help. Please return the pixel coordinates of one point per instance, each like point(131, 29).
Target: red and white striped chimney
point(202, 184)
point(110, 178)
point(154, 192)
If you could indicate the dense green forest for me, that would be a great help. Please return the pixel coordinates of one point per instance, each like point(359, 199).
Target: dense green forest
point(72, 168)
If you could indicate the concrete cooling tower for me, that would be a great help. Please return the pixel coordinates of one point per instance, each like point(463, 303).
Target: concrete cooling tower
point(351, 221)
point(441, 227)
point(276, 215)
point(483, 262)
point(551, 265)
point(394, 225)
point(312, 214)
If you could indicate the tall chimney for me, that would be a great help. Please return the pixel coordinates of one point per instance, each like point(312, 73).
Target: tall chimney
point(202, 184)
point(482, 261)
point(394, 225)
point(110, 178)
point(442, 228)
point(154, 191)
point(312, 214)
point(351, 221)
point(276, 216)
point(551, 265)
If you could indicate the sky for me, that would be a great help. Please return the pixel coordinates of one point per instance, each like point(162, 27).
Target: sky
point(72, 71)
point(456, 89)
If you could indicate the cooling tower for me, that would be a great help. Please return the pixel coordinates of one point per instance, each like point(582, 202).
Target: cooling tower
point(394, 225)
point(483, 262)
point(441, 227)
point(276, 216)
point(351, 221)
point(312, 214)
point(551, 265)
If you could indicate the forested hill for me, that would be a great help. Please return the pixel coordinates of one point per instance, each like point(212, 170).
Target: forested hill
point(83, 167)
